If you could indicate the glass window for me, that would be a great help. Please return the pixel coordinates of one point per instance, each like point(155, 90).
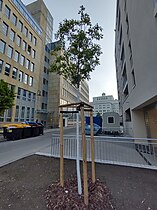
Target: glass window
point(28, 113)
point(29, 50)
point(26, 79)
point(22, 60)
point(34, 41)
point(32, 67)
point(7, 11)
point(7, 69)
point(27, 63)
point(33, 53)
point(30, 36)
point(20, 25)
point(22, 112)
point(110, 120)
point(24, 95)
point(19, 91)
point(29, 96)
point(12, 35)
point(24, 44)
point(32, 116)
point(1, 65)
point(20, 76)
point(16, 56)
point(14, 19)
point(25, 31)
point(18, 41)
point(17, 111)
point(1, 4)
point(14, 73)
point(10, 52)
point(5, 28)
point(30, 81)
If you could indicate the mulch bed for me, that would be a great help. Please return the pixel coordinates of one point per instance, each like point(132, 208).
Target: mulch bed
point(67, 197)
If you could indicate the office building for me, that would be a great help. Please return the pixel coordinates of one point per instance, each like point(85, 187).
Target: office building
point(20, 55)
point(105, 103)
point(25, 55)
point(135, 57)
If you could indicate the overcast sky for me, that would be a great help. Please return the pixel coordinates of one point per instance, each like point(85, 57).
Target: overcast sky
point(103, 79)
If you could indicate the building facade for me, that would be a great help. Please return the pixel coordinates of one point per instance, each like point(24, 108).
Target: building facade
point(135, 57)
point(104, 103)
point(25, 55)
point(20, 44)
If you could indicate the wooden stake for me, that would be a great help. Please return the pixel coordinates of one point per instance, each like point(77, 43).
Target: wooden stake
point(84, 154)
point(61, 151)
point(92, 147)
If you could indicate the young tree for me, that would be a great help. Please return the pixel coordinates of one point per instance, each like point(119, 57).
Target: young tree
point(78, 57)
point(7, 96)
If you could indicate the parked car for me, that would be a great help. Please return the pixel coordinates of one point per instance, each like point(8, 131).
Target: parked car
point(96, 127)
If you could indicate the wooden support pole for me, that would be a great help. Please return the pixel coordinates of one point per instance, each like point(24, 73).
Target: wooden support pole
point(92, 147)
point(84, 154)
point(61, 151)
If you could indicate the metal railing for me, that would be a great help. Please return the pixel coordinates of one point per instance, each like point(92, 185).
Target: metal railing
point(112, 150)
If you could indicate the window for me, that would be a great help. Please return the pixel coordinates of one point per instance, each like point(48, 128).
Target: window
point(20, 76)
point(5, 28)
point(110, 120)
point(24, 44)
point(27, 63)
point(34, 41)
point(24, 95)
point(7, 69)
point(7, 11)
point(18, 41)
point(128, 115)
point(32, 116)
point(2, 46)
point(18, 92)
point(33, 53)
point(14, 19)
point(14, 73)
point(1, 4)
point(133, 78)
point(10, 52)
point(29, 49)
point(30, 81)
point(30, 36)
point(22, 113)
point(16, 56)
point(20, 25)
point(32, 67)
point(12, 35)
point(29, 96)
point(17, 112)
point(22, 60)
point(25, 31)
point(28, 113)
point(26, 79)
point(1, 65)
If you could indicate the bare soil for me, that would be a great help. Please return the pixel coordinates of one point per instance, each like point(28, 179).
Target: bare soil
point(33, 183)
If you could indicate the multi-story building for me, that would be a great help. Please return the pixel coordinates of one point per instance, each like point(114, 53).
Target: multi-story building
point(43, 17)
point(135, 56)
point(20, 55)
point(62, 92)
point(25, 55)
point(103, 104)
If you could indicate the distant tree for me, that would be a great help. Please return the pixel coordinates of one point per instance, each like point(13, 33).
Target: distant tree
point(98, 114)
point(76, 56)
point(7, 96)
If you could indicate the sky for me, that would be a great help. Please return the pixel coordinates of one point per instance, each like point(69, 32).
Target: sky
point(103, 79)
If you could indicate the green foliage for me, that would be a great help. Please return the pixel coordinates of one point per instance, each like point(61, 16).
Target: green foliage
point(79, 52)
point(7, 96)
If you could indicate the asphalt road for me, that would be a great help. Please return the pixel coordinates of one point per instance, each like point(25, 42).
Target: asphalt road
point(11, 151)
